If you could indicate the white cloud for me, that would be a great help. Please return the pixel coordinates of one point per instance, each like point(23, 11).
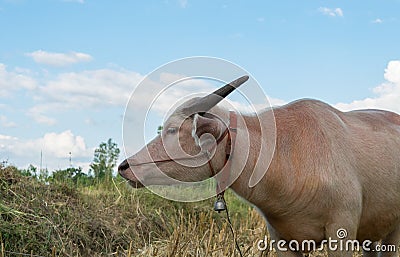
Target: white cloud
point(104, 88)
point(80, 90)
point(333, 12)
point(387, 95)
point(246, 108)
point(55, 148)
point(5, 137)
point(377, 20)
point(14, 80)
point(57, 145)
point(59, 59)
point(92, 88)
point(37, 113)
point(4, 122)
point(392, 72)
point(276, 101)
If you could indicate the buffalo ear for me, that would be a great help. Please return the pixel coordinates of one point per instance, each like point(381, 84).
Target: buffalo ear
point(206, 126)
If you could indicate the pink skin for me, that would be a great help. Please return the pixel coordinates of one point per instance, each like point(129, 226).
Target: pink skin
point(329, 170)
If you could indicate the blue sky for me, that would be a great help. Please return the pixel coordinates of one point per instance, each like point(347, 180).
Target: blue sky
point(67, 67)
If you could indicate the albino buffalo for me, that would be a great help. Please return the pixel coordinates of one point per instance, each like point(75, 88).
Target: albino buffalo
point(330, 170)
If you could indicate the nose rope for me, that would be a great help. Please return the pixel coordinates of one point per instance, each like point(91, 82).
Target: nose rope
point(182, 158)
point(186, 157)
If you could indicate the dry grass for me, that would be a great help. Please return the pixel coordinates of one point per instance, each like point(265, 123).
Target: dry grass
point(111, 220)
point(206, 236)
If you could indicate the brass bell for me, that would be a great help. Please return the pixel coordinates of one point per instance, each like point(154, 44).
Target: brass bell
point(219, 205)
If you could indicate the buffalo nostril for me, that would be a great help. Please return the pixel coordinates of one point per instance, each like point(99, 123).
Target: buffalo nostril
point(123, 166)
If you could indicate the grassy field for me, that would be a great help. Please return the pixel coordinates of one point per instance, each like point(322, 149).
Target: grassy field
point(110, 219)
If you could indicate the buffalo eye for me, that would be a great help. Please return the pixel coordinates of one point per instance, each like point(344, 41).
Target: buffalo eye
point(172, 130)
